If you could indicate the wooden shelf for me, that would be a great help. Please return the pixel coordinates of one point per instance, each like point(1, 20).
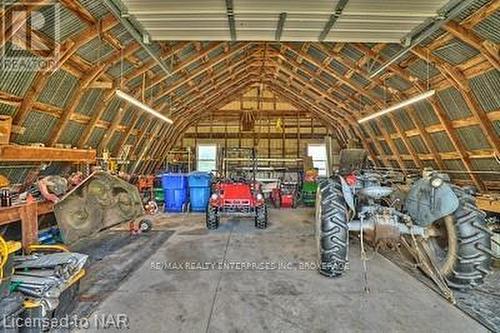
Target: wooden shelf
point(13, 153)
point(28, 215)
point(489, 203)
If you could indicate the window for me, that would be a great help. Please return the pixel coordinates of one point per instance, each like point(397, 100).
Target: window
point(206, 157)
point(318, 154)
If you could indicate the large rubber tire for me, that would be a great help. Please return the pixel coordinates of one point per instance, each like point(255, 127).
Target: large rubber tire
point(213, 218)
point(261, 217)
point(463, 254)
point(332, 231)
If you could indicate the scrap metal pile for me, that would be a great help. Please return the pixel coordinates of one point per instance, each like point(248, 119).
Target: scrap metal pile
point(46, 276)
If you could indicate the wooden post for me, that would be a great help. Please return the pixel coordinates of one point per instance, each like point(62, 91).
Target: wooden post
point(29, 224)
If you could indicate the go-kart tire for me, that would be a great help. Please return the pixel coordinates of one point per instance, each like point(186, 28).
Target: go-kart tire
point(145, 225)
point(465, 259)
point(212, 218)
point(332, 231)
point(261, 217)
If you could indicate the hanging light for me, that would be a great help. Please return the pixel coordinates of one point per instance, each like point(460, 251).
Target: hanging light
point(142, 106)
point(400, 105)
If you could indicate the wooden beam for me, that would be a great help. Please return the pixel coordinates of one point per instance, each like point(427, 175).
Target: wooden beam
point(12, 153)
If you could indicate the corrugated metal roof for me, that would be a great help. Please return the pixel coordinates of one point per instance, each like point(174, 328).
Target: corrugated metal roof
point(39, 126)
point(59, 89)
point(496, 126)
point(72, 133)
point(401, 146)
point(388, 124)
point(442, 142)
point(111, 109)
point(418, 144)
point(94, 50)
point(453, 103)
point(488, 28)
point(423, 70)
point(476, 5)
point(114, 141)
point(89, 102)
point(456, 52)
point(487, 164)
point(96, 8)
point(96, 137)
point(472, 137)
point(425, 113)
point(486, 87)
point(456, 165)
point(7, 110)
point(69, 25)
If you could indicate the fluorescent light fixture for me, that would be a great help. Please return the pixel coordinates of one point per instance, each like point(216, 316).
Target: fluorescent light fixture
point(410, 101)
point(142, 106)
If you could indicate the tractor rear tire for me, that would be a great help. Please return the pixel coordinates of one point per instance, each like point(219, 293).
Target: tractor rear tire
point(464, 253)
point(261, 217)
point(213, 218)
point(332, 231)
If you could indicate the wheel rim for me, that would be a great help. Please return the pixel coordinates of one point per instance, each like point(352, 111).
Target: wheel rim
point(443, 244)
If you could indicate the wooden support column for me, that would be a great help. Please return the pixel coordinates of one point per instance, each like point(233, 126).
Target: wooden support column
point(29, 224)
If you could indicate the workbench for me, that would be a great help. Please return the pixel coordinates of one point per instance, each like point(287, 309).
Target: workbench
point(28, 215)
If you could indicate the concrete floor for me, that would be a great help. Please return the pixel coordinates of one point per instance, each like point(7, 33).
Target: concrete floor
point(286, 300)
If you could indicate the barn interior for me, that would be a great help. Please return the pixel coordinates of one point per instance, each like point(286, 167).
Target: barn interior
point(127, 127)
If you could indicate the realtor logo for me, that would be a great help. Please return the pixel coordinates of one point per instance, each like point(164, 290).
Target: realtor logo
point(30, 35)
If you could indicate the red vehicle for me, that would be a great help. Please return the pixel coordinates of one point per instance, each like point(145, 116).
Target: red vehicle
point(236, 199)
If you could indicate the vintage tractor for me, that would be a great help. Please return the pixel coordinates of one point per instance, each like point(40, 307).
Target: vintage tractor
point(236, 198)
point(437, 222)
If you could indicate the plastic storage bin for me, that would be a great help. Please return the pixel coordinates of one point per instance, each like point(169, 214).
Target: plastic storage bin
point(200, 184)
point(175, 188)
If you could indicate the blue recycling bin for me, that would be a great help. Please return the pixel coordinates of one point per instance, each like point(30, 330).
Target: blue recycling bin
point(175, 187)
point(200, 188)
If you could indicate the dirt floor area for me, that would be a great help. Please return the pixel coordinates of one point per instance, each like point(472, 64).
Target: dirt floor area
point(268, 283)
